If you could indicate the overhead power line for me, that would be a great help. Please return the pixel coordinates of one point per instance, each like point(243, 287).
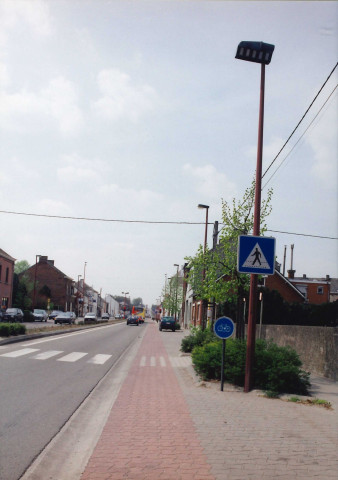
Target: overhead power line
point(294, 146)
point(300, 121)
point(161, 222)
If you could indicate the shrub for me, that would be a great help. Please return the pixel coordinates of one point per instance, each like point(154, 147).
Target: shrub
point(197, 337)
point(277, 369)
point(9, 329)
point(177, 326)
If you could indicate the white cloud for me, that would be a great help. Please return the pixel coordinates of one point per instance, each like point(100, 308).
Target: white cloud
point(209, 182)
point(122, 98)
point(52, 207)
point(136, 198)
point(79, 169)
point(35, 14)
point(25, 110)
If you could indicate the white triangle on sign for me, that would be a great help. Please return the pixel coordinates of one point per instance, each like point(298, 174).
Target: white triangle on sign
point(256, 259)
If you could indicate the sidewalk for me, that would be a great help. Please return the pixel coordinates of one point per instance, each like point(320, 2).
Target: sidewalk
point(166, 426)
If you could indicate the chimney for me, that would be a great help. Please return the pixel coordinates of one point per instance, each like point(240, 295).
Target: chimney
point(304, 275)
point(43, 259)
point(328, 278)
point(291, 273)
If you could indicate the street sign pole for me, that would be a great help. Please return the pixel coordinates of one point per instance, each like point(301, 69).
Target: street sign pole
point(223, 358)
point(224, 328)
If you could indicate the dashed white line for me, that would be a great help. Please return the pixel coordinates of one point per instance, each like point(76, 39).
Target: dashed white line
point(19, 353)
point(72, 357)
point(46, 355)
point(99, 359)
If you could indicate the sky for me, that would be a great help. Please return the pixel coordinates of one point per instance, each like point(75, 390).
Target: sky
point(138, 110)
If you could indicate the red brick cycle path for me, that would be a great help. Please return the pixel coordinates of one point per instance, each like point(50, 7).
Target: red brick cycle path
point(149, 434)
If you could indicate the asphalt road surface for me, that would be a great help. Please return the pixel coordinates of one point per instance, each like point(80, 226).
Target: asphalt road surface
point(44, 381)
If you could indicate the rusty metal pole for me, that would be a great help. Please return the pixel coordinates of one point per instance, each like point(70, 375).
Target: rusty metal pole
point(252, 314)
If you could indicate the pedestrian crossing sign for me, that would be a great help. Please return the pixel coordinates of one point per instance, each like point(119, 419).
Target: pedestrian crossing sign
point(256, 255)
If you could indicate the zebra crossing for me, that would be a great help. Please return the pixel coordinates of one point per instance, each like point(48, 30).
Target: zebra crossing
point(98, 359)
point(31, 353)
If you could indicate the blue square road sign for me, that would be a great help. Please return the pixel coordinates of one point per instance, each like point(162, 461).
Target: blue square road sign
point(256, 255)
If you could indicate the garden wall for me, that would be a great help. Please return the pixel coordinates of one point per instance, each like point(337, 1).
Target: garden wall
point(316, 346)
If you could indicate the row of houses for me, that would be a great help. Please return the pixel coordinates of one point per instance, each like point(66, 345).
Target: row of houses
point(53, 289)
point(291, 288)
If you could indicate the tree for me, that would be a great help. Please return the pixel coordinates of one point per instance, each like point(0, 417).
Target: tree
point(137, 301)
point(21, 266)
point(22, 292)
point(173, 295)
point(222, 282)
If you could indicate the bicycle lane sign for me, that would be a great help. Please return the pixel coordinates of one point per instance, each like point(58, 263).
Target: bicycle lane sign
point(224, 328)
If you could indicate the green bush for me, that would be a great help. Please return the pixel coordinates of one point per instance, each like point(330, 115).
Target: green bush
point(9, 329)
point(197, 337)
point(276, 369)
point(177, 326)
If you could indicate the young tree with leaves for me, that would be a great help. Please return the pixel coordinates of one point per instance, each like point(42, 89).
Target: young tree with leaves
point(222, 281)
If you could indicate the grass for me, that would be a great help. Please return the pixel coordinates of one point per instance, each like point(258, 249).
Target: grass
point(311, 401)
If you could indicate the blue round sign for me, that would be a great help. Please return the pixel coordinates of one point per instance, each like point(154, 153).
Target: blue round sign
point(224, 327)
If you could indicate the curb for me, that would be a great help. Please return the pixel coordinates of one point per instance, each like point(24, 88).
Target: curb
point(32, 336)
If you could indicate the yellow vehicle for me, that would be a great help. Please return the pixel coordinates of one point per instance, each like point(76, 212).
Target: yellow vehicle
point(140, 312)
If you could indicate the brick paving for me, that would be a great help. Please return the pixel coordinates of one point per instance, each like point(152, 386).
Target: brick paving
point(149, 434)
point(165, 425)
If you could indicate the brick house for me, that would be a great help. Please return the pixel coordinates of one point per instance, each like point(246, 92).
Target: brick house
point(315, 290)
point(6, 279)
point(50, 283)
point(284, 287)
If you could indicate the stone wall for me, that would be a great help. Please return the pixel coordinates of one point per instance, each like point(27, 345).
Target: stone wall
point(317, 347)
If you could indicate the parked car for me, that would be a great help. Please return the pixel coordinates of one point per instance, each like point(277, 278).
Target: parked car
point(105, 316)
point(90, 317)
point(54, 314)
point(167, 323)
point(133, 320)
point(65, 317)
point(40, 315)
point(119, 315)
point(13, 315)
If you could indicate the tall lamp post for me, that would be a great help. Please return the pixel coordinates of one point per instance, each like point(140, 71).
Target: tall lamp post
point(84, 280)
point(35, 272)
point(125, 299)
point(257, 52)
point(78, 293)
point(176, 265)
point(206, 207)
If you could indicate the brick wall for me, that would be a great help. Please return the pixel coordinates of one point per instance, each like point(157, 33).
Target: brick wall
point(276, 282)
point(316, 346)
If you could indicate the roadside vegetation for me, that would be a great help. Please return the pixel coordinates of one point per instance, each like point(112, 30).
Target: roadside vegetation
point(277, 369)
point(10, 329)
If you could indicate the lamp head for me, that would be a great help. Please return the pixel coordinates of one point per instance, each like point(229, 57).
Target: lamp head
point(257, 52)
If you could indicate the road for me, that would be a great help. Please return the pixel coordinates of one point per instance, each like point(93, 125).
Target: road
point(44, 381)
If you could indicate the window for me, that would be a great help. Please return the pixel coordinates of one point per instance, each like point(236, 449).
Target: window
point(4, 302)
point(7, 274)
point(320, 290)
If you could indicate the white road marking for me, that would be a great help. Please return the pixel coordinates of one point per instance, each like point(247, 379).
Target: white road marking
point(19, 353)
point(152, 361)
point(99, 359)
point(143, 361)
point(72, 357)
point(163, 362)
point(48, 354)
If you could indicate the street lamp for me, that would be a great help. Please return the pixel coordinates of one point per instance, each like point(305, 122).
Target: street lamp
point(125, 299)
point(84, 280)
point(78, 293)
point(257, 52)
point(34, 292)
point(176, 265)
point(206, 207)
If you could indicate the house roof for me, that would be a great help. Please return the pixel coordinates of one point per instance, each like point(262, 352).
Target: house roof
point(52, 266)
point(293, 287)
point(3, 254)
